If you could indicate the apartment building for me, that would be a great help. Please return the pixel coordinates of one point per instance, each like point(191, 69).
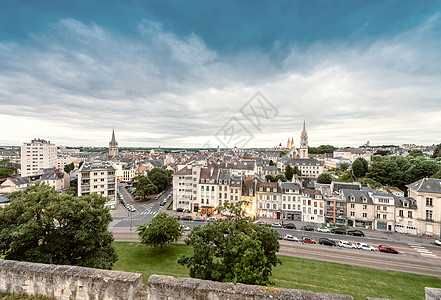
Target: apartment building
point(185, 188)
point(359, 207)
point(291, 201)
point(268, 196)
point(98, 177)
point(406, 215)
point(427, 193)
point(37, 155)
point(384, 211)
point(309, 167)
point(313, 206)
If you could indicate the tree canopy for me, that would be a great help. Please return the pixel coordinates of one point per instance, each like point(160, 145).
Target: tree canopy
point(270, 178)
point(144, 187)
point(41, 225)
point(416, 153)
point(162, 229)
point(322, 149)
point(437, 151)
point(324, 178)
point(289, 172)
point(360, 167)
point(281, 177)
point(7, 168)
point(69, 167)
point(160, 178)
point(232, 250)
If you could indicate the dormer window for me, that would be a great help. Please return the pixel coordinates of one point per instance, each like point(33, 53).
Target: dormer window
point(352, 198)
point(202, 180)
point(364, 199)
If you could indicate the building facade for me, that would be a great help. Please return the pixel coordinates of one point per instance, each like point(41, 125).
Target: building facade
point(37, 155)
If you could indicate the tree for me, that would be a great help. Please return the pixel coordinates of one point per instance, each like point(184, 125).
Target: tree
point(416, 153)
point(382, 152)
point(322, 149)
point(325, 178)
point(7, 168)
point(162, 229)
point(282, 154)
point(270, 178)
point(344, 166)
point(281, 177)
point(41, 225)
point(437, 151)
point(271, 163)
point(345, 177)
point(297, 171)
point(360, 167)
point(421, 169)
point(159, 178)
point(437, 175)
point(232, 250)
point(289, 172)
point(69, 167)
point(144, 187)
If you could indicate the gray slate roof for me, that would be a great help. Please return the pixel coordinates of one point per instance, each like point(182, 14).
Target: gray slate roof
point(431, 185)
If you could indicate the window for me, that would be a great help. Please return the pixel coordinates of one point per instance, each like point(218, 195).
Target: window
point(378, 207)
point(212, 188)
point(260, 204)
point(352, 214)
point(289, 206)
point(284, 206)
point(378, 216)
point(220, 195)
point(202, 188)
point(384, 217)
point(384, 208)
point(409, 214)
point(429, 202)
point(401, 213)
point(352, 205)
point(267, 206)
point(364, 215)
point(429, 215)
point(274, 206)
point(364, 206)
point(202, 201)
point(284, 198)
point(235, 198)
point(315, 211)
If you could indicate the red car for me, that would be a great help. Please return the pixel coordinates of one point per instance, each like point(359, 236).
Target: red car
point(387, 249)
point(137, 197)
point(307, 239)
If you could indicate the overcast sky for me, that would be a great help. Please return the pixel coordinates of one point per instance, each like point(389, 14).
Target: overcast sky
point(178, 73)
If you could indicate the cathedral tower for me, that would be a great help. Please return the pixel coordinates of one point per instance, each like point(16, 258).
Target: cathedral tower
point(113, 145)
point(304, 143)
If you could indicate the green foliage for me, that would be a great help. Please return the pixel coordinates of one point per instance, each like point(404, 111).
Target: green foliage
point(281, 177)
point(160, 178)
point(345, 177)
point(297, 171)
point(360, 167)
point(437, 151)
point(289, 172)
point(437, 175)
point(162, 229)
point(144, 187)
point(344, 166)
point(69, 167)
point(7, 168)
point(282, 154)
point(271, 163)
point(246, 254)
point(370, 183)
point(382, 152)
point(324, 178)
point(416, 153)
point(322, 149)
point(270, 178)
point(41, 225)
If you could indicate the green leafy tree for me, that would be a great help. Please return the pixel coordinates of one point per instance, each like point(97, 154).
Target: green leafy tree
point(232, 250)
point(41, 225)
point(370, 183)
point(416, 153)
point(170, 175)
point(382, 152)
point(162, 229)
point(297, 171)
point(144, 187)
point(159, 178)
point(7, 168)
point(270, 178)
point(324, 178)
point(421, 169)
point(281, 177)
point(69, 167)
point(360, 167)
point(289, 172)
point(437, 175)
point(344, 166)
point(282, 154)
point(437, 151)
point(271, 163)
point(322, 149)
point(345, 177)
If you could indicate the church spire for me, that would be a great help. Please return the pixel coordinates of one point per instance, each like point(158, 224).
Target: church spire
point(304, 142)
point(113, 141)
point(113, 145)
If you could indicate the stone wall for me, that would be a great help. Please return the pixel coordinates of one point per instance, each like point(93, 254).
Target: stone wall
point(70, 282)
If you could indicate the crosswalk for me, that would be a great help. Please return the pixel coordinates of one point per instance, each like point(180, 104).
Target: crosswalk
point(423, 251)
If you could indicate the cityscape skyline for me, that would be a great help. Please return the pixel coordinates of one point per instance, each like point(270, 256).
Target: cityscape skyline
point(174, 74)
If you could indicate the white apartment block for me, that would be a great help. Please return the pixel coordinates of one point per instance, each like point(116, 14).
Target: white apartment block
point(37, 155)
point(384, 211)
point(309, 167)
point(98, 177)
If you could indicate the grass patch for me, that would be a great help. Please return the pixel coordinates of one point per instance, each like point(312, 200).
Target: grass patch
point(21, 296)
point(294, 273)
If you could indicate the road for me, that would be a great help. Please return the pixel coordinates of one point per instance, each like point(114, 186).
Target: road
point(413, 258)
point(145, 211)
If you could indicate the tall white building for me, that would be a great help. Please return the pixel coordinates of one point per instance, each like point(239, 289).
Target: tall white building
point(98, 177)
point(37, 155)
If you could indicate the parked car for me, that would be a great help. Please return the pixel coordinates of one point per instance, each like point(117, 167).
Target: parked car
point(437, 242)
point(323, 229)
point(276, 225)
point(289, 226)
point(162, 203)
point(338, 231)
point(260, 223)
point(185, 228)
point(177, 217)
point(199, 219)
point(212, 219)
point(131, 208)
point(355, 232)
point(346, 244)
point(364, 246)
point(289, 237)
point(137, 197)
point(179, 209)
point(187, 218)
point(308, 240)
point(307, 228)
point(327, 242)
point(387, 249)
